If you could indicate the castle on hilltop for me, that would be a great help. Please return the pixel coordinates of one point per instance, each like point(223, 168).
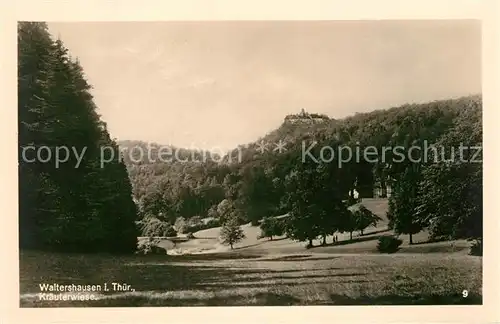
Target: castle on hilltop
point(304, 117)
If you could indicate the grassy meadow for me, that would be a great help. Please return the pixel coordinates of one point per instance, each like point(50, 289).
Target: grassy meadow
point(260, 272)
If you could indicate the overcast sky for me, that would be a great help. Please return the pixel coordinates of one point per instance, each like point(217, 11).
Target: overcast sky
point(219, 84)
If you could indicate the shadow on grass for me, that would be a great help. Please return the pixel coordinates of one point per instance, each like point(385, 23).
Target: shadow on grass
point(249, 285)
point(146, 274)
point(141, 277)
point(321, 258)
point(248, 246)
point(259, 299)
point(407, 300)
point(432, 240)
point(265, 299)
point(143, 273)
point(278, 277)
point(213, 256)
point(358, 239)
point(422, 248)
point(376, 232)
point(259, 243)
point(240, 272)
point(292, 257)
point(420, 243)
point(156, 274)
point(298, 257)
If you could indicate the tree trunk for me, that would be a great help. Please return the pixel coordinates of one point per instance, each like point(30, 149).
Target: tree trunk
point(411, 238)
point(324, 239)
point(231, 246)
point(271, 237)
point(384, 189)
point(361, 232)
point(350, 235)
point(310, 243)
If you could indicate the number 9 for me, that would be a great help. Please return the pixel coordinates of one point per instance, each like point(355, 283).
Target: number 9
point(465, 293)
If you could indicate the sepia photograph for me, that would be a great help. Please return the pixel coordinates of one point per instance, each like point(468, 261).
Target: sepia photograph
point(250, 163)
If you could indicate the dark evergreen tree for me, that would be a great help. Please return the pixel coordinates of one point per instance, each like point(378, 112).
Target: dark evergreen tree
point(79, 204)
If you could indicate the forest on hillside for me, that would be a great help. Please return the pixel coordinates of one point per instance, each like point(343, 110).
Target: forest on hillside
point(433, 189)
point(98, 207)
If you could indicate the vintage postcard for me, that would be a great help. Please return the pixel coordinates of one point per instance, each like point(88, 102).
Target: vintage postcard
point(182, 162)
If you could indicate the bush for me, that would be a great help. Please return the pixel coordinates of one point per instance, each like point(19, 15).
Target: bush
point(170, 232)
point(152, 226)
point(198, 227)
point(192, 229)
point(180, 224)
point(150, 246)
point(477, 247)
point(280, 227)
point(388, 244)
point(213, 223)
point(271, 226)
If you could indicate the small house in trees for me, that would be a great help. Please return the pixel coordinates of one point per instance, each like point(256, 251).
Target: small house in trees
point(382, 192)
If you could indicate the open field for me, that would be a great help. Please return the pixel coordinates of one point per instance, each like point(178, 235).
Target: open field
point(247, 279)
point(265, 272)
point(207, 241)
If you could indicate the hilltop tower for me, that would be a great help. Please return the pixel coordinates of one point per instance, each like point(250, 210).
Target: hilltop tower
point(305, 117)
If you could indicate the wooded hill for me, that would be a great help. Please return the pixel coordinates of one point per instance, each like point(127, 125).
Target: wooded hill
point(442, 193)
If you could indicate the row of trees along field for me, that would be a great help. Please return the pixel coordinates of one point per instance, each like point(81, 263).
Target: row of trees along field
point(66, 208)
point(442, 193)
point(355, 218)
